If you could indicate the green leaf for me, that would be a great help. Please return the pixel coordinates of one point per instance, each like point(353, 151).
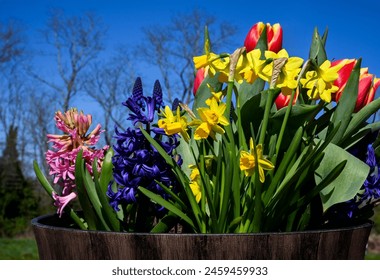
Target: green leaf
point(88, 212)
point(317, 50)
point(299, 114)
point(181, 176)
point(234, 223)
point(349, 181)
point(360, 134)
point(247, 91)
point(346, 104)
point(320, 186)
point(281, 169)
point(184, 149)
point(92, 193)
point(360, 118)
point(166, 223)
point(173, 196)
point(108, 212)
point(106, 173)
point(250, 113)
point(262, 43)
point(42, 179)
point(169, 206)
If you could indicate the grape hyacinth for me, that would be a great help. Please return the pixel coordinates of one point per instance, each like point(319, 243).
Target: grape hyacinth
point(136, 162)
point(61, 158)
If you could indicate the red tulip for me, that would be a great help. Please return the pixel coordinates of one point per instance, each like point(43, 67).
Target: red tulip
point(367, 84)
point(199, 77)
point(367, 90)
point(343, 75)
point(274, 36)
point(283, 100)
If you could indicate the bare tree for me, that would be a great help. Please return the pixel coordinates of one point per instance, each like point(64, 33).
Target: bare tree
point(12, 83)
point(40, 123)
point(172, 47)
point(11, 41)
point(109, 84)
point(76, 41)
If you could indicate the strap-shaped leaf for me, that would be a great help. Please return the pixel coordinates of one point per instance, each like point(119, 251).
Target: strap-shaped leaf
point(166, 223)
point(361, 117)
point(169, 206)
point(317, 50)
point(106, 174)
point(108, 212)
point(42, 179)
point(346, 103)
point(88, 212)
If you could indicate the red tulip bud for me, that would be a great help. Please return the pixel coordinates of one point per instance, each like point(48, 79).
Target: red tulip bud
point(343, 75)
point(199, 77)
point(274, 37)
point(367, 90)
point(283, 100)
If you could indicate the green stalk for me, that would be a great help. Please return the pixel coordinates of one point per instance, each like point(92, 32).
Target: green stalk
point(268, 106)
point(288, 111)
point(77, 220)
point(231, 147)
point(258, 199)
point(283, 126)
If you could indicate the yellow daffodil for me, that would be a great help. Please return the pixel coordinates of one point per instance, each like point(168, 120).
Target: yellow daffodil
point(217, 96)
point(320, 83)
point(255, 67)
point(204, 60)
point(196, 189)
point(248, 161)
point(214, 63)
point(173, 124)
point(195, 178)
point(194, 175)
point(287, 79)
point(210, 120)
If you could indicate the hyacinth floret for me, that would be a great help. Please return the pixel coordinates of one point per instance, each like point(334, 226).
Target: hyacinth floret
point(136, 162)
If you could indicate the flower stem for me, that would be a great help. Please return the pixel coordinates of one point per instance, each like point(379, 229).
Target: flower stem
point(283, 125)
point(268, 106)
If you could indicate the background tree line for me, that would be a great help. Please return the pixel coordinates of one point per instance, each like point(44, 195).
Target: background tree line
point(83, 71)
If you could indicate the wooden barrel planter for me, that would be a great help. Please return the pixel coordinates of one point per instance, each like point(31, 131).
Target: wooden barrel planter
point(56, 241)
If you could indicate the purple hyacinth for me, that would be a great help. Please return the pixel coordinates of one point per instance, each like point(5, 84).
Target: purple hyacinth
point(143, 107)
point(371, 186)
point(136, 162)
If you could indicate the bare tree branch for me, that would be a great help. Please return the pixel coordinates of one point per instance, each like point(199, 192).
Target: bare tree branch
point(77, 41)
point(108, 84)
point(11, 42)
point(172, 47)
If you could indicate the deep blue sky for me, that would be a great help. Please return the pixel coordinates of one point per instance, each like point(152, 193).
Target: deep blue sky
point(353, 28)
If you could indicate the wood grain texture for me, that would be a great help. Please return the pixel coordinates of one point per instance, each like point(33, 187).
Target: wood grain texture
point(58, 242)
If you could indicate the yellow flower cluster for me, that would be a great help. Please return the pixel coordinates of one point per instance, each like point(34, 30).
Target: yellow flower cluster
point(208, 125)
point(255, 64)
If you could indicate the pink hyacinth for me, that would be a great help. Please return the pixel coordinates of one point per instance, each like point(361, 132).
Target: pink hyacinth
point(61, 158)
